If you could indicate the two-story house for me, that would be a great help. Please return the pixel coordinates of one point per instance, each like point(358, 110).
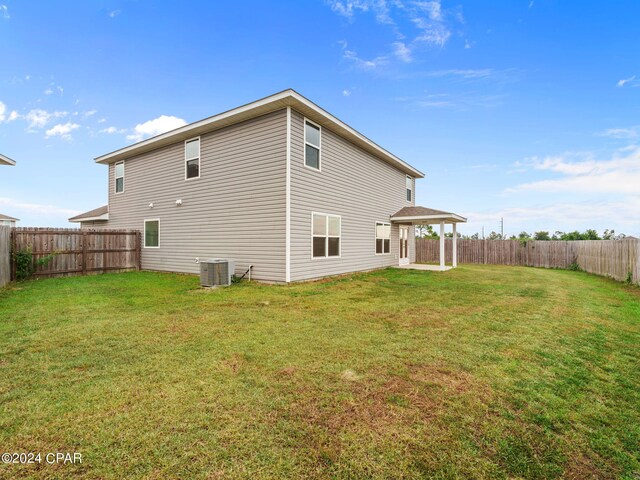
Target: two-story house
point(278, 184)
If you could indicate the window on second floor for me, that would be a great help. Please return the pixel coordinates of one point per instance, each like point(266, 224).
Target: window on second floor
point(119, 177)
point(409, 188)
point(192, 158)
point(383, 238)
point(311, 145)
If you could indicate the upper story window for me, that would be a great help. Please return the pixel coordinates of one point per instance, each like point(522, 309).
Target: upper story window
point(326, 235)
point(119, 177)
point(409, 188)
point(383, 236)
point(192, 158)
point(311, 145)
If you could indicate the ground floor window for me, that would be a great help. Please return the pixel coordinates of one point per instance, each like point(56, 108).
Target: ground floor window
point(326, 235)
point(383, 236)
point(151, 233)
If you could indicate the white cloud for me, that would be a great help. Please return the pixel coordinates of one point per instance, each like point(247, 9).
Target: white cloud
point(466, 74)
point(425, 23)
point(18, 205)
point(62, 130)
point(159, 125)
point(618, 175)
point(402, 52)
point(89, 113)
point(565, 216)
point(4, 12)
point(13, 116)
point(48, 91)
point(353, 57)
point(38, 118)
point(624, 81)
point(468, 44)
point(112, 130)
point(531, 4)
point(113, 13)
point(626, 133)
point(3, 109)
point(346, 93)
point(102, 120)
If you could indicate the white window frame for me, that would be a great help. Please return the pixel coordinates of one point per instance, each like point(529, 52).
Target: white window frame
point(327, 236)
point(199, 157)
point(144, 229)
point(115, 177)
point(382, 238)
point(410, 189)
point(319, 147)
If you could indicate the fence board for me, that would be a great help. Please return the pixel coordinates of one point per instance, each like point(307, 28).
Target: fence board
point(5, 254)
point(78, 252)
point(616, 259)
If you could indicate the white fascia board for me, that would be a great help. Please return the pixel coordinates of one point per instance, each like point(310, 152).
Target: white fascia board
point(450, 217)
point(4, 160)
point(91, 219)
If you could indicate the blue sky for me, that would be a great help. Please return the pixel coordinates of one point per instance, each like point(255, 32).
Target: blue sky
point(527, 110)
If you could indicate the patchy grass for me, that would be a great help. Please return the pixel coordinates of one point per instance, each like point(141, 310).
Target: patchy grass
point(479, 372)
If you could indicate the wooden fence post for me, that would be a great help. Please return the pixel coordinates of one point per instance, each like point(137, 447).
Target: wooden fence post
point(84, 253)
point(139, 250)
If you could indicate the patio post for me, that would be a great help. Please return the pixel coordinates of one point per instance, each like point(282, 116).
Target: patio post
point(442, 245)
point(454, 247)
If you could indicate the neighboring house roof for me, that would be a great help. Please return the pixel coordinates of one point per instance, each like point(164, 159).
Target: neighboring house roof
point(7, 217)
point(278, 101)
point(4, 160)
point(417, 215)
point(100, 213)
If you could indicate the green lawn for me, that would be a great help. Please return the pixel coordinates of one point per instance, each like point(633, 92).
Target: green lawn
point(479, 372)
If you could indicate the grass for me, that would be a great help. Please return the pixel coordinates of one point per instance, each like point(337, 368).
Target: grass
point(480, 372)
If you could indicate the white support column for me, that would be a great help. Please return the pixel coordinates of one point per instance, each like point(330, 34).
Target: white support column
point(442, 245)
point(454, 247)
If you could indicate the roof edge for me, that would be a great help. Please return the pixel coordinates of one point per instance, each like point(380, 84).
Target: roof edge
point(271, 103)
point(6, 160)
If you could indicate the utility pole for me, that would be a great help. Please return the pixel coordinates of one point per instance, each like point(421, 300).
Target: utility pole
point(502, 228)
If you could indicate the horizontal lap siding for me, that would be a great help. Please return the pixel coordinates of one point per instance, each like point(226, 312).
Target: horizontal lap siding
point(235, 210)
point(354, 184)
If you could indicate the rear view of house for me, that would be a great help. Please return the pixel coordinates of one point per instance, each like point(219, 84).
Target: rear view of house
point(278, 184)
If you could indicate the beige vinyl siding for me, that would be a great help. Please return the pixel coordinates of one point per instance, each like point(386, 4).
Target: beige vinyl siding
point(94, 225)
point(354, 184)
point(235, 210)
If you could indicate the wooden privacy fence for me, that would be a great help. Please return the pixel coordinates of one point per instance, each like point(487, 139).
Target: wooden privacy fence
point(5, 254)
point(617, 259)
point(77, 252)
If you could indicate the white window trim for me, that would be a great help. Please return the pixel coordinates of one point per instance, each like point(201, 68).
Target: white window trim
point(115, 177)
point(381, 238)
point(199, 157)
point(319, 147)
point(144, 237)
point(327, 236)
point(410, 178)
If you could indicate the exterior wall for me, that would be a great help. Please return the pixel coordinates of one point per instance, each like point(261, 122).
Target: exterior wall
point(94, 225)
point(354, 184)
point(235, 210)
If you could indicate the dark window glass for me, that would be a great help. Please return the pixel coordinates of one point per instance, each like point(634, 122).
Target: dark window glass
point(319, 246)
point(193, 168)
point(119, 185)
point(379, 245)
point(387, 246)
point(151, 233)
point(312, 157)
point(334, 247)
point(408, 195)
